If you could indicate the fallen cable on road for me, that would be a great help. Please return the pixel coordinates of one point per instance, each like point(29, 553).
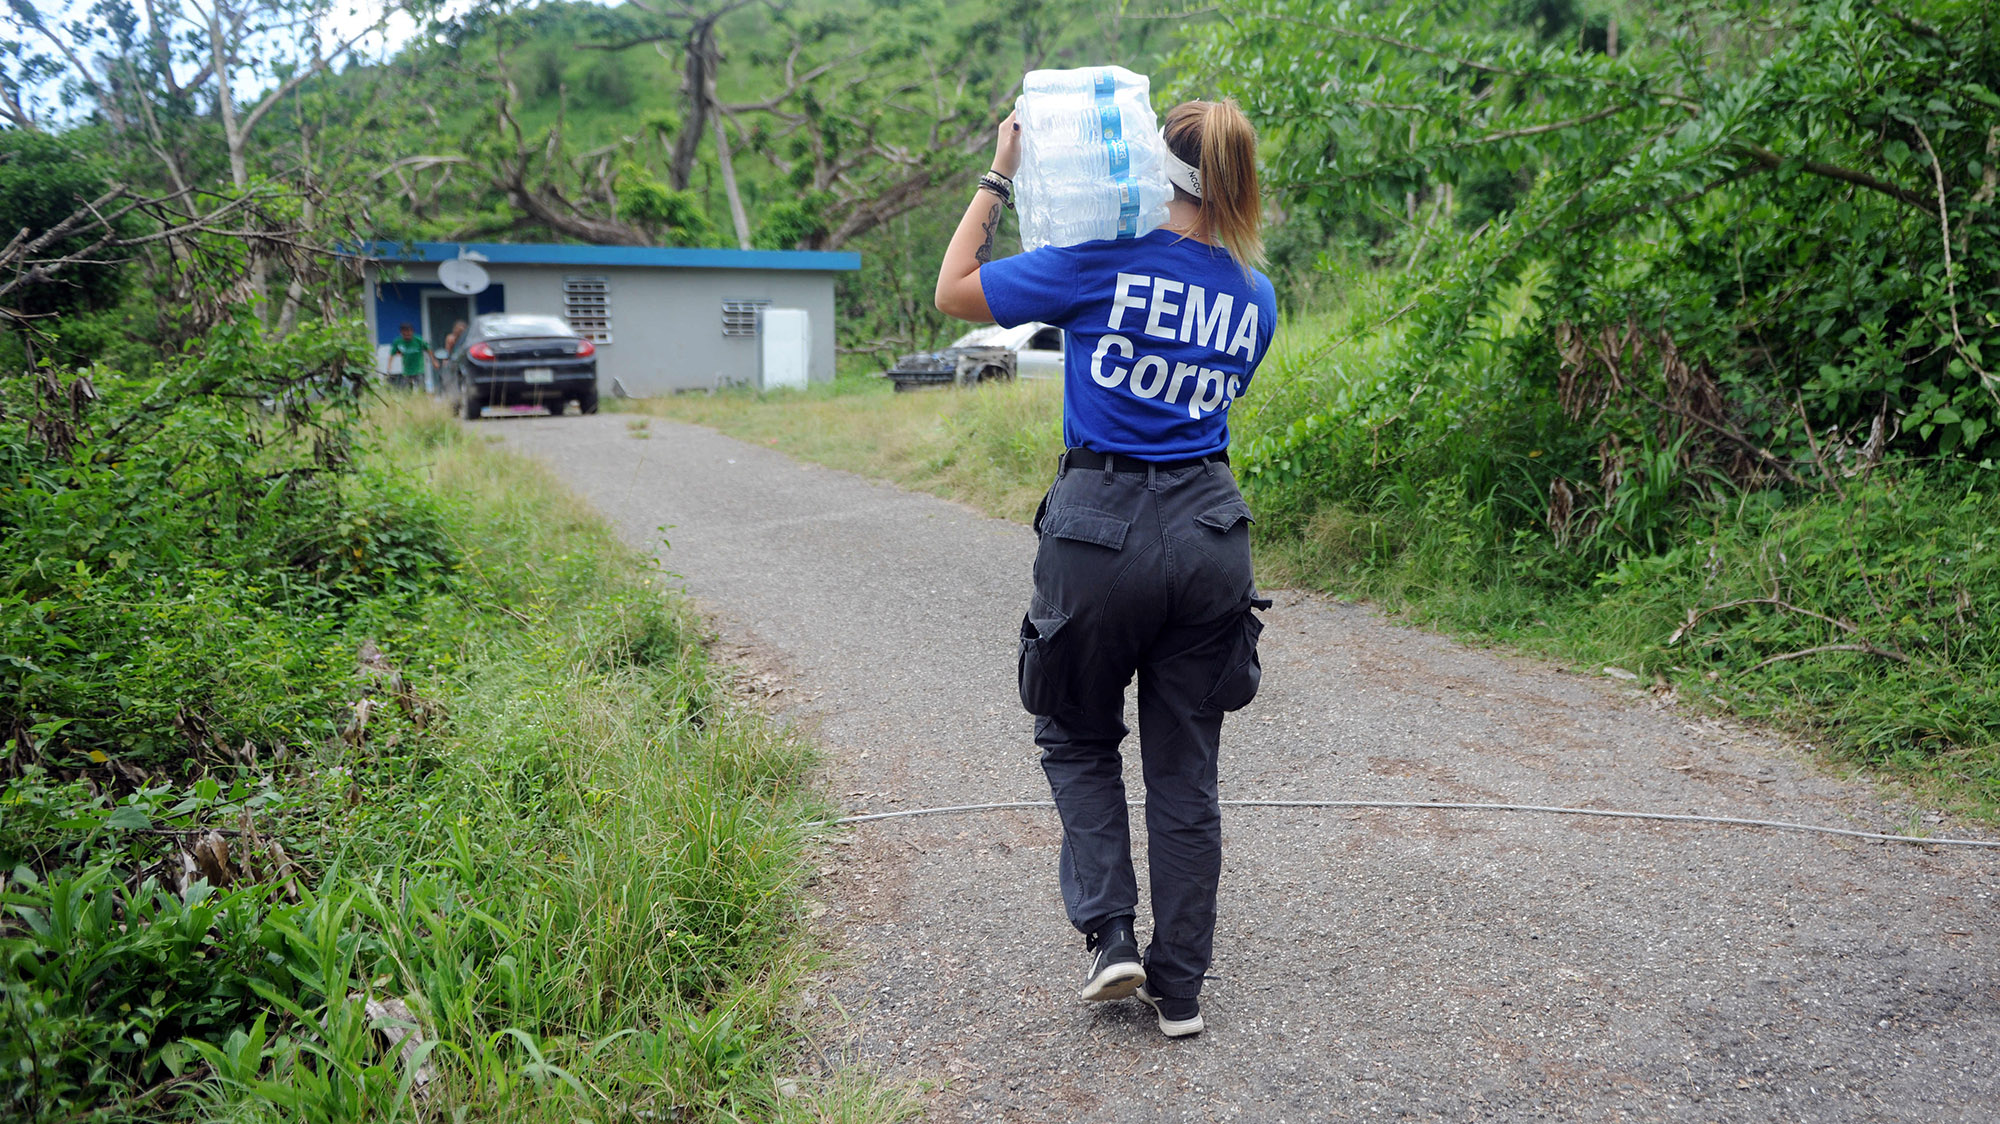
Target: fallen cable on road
point(1443, 806)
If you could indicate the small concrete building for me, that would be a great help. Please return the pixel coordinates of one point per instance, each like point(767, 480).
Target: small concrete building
point(663, 318)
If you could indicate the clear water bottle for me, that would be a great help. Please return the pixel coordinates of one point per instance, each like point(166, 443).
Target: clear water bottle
point(1093, 164)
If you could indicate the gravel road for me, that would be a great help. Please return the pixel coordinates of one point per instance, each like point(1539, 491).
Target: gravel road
point(1417, 965)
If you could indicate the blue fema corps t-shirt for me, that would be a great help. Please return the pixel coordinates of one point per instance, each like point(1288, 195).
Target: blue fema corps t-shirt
point(1161, 334)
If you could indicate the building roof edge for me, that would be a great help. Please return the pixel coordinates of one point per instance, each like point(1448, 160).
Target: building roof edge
point(550, 253)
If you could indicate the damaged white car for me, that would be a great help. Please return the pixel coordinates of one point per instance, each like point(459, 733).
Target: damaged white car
point(1030, 351)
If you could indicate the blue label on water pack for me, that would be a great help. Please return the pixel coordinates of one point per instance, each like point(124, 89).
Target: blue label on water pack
point(1128, 209)
point(1118, 154)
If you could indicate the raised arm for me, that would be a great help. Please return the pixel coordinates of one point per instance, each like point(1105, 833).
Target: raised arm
point(958, 291)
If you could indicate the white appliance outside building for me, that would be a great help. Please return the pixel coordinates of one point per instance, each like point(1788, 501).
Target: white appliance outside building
point(787, 349)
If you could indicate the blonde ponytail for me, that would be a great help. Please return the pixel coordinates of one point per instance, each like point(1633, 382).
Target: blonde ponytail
point(1217, 139)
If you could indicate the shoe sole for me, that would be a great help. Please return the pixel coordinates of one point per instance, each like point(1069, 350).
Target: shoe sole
point(1172, 1028)
point(1116, 981)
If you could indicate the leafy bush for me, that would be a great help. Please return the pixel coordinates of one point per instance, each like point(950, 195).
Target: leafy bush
point(1875, 616)
point(1686, 323)
point(290, 734)
point(543, 70)
point(1861, 612)
point(180, 566)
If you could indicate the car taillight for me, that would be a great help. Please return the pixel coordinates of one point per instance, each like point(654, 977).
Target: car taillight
point(585, 347)
point(481, 352)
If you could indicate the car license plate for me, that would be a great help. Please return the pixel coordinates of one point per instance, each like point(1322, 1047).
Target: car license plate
point(539, 374)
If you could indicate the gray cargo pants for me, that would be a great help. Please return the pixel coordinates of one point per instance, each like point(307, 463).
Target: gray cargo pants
point(1147, 573)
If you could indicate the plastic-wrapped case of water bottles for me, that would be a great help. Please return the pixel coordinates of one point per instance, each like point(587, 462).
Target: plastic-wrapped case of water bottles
point(1093, 164)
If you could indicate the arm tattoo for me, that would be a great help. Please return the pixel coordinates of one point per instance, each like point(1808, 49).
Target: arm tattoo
point(985, 252)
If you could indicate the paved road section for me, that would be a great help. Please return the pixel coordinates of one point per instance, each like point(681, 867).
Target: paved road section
point(1369, 965)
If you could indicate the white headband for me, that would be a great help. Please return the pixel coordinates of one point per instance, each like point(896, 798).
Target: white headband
point(1184, 175)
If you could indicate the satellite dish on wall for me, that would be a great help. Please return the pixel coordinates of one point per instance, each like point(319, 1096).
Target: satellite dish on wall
point(462, 276)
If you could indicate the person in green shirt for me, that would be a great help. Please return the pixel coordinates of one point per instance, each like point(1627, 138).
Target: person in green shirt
point(415, 353)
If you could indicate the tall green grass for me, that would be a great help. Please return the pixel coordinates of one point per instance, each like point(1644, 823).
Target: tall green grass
point(993, 446)
point(578, 876)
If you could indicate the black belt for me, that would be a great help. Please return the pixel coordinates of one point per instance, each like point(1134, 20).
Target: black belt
point(1088, 459)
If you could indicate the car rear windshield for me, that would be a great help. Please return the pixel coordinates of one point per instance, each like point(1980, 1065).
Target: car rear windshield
point(511, 327)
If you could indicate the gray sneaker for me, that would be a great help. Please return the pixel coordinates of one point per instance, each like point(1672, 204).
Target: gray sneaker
point(1178, 1017)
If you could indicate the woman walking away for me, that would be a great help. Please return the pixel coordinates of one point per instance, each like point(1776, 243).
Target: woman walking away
point(1144, 563)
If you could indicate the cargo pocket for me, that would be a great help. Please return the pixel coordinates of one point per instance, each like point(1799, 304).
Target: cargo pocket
point(1223, 517)
point(1241, 670)
point(1043, 671)
point(1086, 524)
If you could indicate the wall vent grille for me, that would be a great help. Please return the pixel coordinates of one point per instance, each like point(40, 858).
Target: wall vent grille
point(739, 317)
point(587, 307)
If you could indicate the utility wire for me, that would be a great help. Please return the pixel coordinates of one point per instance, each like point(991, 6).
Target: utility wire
point(1445, 806)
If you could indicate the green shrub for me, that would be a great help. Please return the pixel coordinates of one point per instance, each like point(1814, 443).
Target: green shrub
point(1663, 316)
point(1882, 648)
point(1680, 349)
point(1874, 617)
point(178, 581)
point(554, 844)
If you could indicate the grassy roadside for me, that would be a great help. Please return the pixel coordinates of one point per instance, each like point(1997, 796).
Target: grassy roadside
point(545, 836)
point(993, 447)
point(1912, 557)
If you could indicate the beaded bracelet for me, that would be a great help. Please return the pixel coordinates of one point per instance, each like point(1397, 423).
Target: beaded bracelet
point(998, 185)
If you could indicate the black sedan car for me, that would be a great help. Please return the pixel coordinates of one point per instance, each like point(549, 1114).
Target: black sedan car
point(521, 359)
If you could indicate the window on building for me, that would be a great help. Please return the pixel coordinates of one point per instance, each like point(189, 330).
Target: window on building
point(739, 317)
point(587, 307)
